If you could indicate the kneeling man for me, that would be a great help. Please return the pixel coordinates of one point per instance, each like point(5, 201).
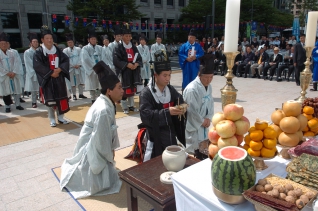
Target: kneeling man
point(91, 170)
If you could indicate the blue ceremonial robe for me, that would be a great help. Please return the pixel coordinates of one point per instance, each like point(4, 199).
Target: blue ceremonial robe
point(315, 60)
point(189, 69)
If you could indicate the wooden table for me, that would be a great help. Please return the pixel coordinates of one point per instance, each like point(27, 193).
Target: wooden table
point(143, 180)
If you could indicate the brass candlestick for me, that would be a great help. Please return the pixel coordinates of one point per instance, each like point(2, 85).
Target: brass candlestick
point(305, 76)
point(228, 92)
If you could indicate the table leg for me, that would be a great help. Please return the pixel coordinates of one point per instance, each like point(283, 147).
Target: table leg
point(132, 201)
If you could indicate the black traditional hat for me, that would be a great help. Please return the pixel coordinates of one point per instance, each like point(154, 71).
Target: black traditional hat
point(142, 37)
point(207, 61)
point(162, 66)
point(192, 33)
point(4, 37)
point(91, 32)
point(104, 37)
point(32, 36)
point(45, 30)
point(117, 31)
point(106, 76)
point(159, 35)
point(69, 37)
point(126, 29)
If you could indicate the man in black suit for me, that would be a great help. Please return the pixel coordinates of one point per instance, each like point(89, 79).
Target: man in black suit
point(260, 58)
point(288, 63)
point(273, 64)
point(220, 59)
point(247, 58)
point(299, 58)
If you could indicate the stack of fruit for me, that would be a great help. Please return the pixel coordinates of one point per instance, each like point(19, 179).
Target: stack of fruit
point(261, 140)
point(312, 125)
point(312, 102)
point(289, 123)
point(228, 128)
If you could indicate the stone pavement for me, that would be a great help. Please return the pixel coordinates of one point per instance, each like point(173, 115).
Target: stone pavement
point(26, 180)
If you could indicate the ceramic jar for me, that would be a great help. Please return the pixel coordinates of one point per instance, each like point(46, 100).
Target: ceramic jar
point(174, 158)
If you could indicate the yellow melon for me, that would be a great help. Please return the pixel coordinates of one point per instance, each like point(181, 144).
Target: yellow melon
point(288, 139)
point(289, 124)
point(292, 108)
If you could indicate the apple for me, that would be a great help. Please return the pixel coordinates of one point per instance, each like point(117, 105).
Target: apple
point(217, 117)
point(213, 150)
point(242, 126)
point(245, 119)
point(224, 142)
point(225, 128)
point(239, 138)
point(233, 112)
point(213, 135)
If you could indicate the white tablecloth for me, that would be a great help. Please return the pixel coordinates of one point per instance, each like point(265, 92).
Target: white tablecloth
point(193, 187)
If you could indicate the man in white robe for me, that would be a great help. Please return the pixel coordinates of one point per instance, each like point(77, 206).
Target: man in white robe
point(91, 170)
point(157, 46)
point(31, 81)
point(76, 70)
point(107, 53)
point(143, 49)
point(117, 39)
point(198, 95)
point(11, 75)
point(90, 55)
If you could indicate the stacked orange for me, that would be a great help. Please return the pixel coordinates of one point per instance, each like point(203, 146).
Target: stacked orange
point(312, 125)
point(261, 140)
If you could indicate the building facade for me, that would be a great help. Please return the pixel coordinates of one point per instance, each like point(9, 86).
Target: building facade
point(18, 17)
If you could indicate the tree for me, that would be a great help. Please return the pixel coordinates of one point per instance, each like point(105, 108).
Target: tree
point(305, 6)
point(114, 10)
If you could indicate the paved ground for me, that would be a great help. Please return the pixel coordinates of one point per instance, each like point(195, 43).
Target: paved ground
point(26, 180)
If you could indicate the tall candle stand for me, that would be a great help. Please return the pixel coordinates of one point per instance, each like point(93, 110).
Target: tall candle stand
point(305, 76)
point(228, 92)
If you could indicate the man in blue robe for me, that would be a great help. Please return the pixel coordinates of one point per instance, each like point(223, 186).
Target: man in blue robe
point(189, 55)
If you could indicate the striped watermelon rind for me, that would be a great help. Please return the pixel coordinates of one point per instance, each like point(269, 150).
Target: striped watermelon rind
point(233, 177)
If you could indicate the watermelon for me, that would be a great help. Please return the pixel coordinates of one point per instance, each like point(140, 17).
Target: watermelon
point(233, 171)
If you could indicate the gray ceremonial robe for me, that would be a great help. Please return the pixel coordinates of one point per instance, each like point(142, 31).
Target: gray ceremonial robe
point(77, 76)
point(31, 81)
point(91, 170)
point(107, 57)
point(145, 71)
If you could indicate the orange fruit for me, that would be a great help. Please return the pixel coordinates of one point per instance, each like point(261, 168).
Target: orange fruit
point(251, 129)
point(256, 135)
point(308, 110)
point(270, 133)
point(315, 130)
point(247, 139)
point(308, 116)
point(246, 147)
point(256, 145)
point(306, 129)
point(268, 153)
point(309, 134)
point(269, 143)
point(260, 125)
point(313, 123)
point(255, 153)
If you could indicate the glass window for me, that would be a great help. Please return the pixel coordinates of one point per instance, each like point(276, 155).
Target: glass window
point(170, 2)
point(35, 20)
point(181, 3)
point(9, 20)
point(15, 40)
point(157, 1)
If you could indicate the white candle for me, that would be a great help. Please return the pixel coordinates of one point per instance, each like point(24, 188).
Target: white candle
point(232, 18)
point(311, 29)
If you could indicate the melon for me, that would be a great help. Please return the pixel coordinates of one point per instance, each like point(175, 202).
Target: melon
point(233, 171)
point(277, 116)
point(289, 124)
point(288, 139)
point(292, 108)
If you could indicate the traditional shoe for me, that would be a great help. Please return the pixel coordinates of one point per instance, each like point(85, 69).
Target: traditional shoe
point(82, 96)
point(133, 109)
point(74, 97)
point(21, 100)
point(34, 105)
point(8, 110)
point(52, 124)
point(93, 101)
point(19, 108)
point(126, 111)
point(62, 121)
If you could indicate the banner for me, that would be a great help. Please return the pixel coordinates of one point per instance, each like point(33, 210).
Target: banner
point(296, 28)
point(248, 30)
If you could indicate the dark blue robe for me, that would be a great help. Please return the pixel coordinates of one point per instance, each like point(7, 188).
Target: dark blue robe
point(315, 61)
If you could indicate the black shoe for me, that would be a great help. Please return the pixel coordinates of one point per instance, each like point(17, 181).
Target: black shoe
point(287, 79)
point(265, 77)
point(279, 80)
point(245, 76)
point(19, 108)
point(82, 96)
point(21, 100)
point(215, 73)
point(258, 76)
point(74, 97)
point(133, 109)
point(93, 101)
point(254, 76)
point(271, 78)
point(297, 84)
point(8, 110)
point(222, 74)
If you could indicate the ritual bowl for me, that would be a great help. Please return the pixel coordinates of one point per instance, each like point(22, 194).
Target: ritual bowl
point(174, 158)
point(229, 199)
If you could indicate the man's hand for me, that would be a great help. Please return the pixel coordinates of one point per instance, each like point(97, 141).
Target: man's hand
point(175, 111)
point(135, 66)
point(206, 123)
point(11, 74)
point(76, 66)
point(295, 64)
point(130, 66)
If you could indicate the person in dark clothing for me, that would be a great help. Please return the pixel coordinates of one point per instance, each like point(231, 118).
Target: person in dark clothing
point(237, 59)
point(299, 58)
point(159, 112)
point(247, 58)
point(220, 59)
point(288, 63)
point(260, 58)
point(274, 61)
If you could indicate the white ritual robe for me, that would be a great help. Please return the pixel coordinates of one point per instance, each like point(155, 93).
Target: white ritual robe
point(31, 80)
point(145, 71)
point(77, 76)
point(91, 170)
point(155, 47)
point(11, 62)
point(107, 57)
point(90, 56)
point(201, 106)
point(113, 45)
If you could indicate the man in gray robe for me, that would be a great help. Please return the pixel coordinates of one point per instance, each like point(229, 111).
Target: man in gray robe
point(107, 53)
point(143, 49)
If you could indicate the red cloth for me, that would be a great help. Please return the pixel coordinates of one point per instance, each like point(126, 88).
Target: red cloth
point(52, 61)
point(167, 105)
point(202, 44)
point(130, 54)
